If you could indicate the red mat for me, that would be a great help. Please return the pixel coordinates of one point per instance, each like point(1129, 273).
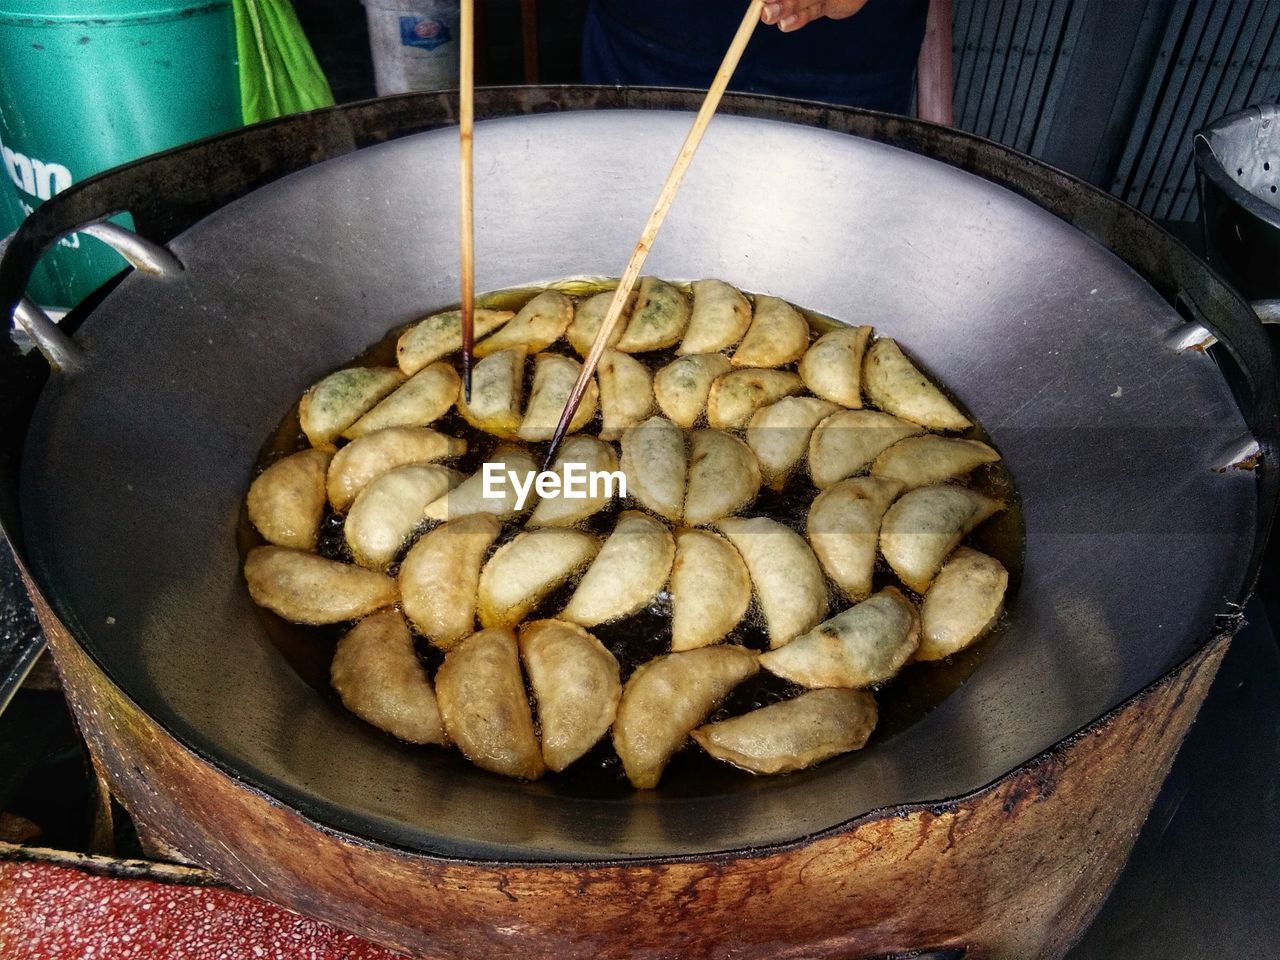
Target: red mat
point(50, 912)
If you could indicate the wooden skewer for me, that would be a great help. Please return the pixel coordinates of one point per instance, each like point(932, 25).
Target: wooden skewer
point(665, 198)
point(466, 125)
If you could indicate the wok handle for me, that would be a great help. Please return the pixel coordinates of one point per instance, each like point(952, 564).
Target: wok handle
point(1268, 311)
point(1246, 452)
point(58, 348)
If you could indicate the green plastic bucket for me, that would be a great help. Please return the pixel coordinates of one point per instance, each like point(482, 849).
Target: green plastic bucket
point(10, 213)
point(86, 85)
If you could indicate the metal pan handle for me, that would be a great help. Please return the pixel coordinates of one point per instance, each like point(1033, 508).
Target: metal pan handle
point(1268, 311)
point(63, 353)
point(168, 191)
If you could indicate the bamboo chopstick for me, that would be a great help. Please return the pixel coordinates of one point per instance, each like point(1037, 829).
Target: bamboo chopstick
point(466, 125)
point(665, 199)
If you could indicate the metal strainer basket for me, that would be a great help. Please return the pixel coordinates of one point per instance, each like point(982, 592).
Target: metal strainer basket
point(1238, 159)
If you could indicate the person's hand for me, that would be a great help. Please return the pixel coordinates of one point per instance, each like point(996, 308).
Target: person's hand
point(793, 14)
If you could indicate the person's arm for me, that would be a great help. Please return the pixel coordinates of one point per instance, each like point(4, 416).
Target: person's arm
point(793, 14)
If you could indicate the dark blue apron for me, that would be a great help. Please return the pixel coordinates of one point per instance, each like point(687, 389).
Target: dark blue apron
point(867, 60)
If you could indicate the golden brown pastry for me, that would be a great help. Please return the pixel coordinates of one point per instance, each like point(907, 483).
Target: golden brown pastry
point(778, 335)
point(919, 532)
point(632, 566)
point(342, 398)
point(380, 679)
point(440, 577)
point(710, 589)
point(304, 588)
point(286, 501)
point(964, 603)
point(832, 367)
point(794, 734)
point(486, 713)
point(787, 578)
point(862, 646)
point(894, 385)
point(720, 317)
point(422, 399)
point(575, 685)
point(366, 458)
point(666, 698)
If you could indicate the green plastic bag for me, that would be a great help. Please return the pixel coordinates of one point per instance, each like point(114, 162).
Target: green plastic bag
point(278, 70)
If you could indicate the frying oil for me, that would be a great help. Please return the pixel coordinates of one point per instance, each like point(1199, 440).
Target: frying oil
point(902, 701)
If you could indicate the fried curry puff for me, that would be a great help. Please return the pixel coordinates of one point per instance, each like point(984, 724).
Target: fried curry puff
point(758, 524)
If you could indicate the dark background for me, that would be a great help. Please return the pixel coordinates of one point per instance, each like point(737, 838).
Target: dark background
point(1110, 90)
point(340, 36)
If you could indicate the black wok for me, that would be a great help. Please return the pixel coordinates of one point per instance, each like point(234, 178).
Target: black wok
point(1070, 326)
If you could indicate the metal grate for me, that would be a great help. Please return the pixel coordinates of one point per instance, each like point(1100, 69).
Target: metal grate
point(1011, 57)
point(1030, 73)
point(1215, 58)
